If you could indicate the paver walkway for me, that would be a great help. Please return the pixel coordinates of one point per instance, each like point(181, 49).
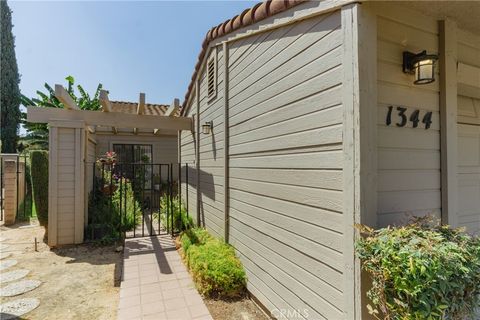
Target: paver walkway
point(156, 284)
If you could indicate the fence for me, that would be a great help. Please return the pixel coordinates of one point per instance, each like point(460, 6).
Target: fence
point(16, 193)
point(135, 200)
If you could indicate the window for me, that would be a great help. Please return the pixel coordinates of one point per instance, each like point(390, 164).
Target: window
point(135, 153)
point(212, 76)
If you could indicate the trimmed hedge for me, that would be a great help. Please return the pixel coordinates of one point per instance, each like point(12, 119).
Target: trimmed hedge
point(217, 272)
point(39, 174)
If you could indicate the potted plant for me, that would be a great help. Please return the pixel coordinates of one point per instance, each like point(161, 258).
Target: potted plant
point(110, 158)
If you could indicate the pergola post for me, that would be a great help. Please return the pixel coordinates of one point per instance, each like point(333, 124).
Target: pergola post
point(66, 206)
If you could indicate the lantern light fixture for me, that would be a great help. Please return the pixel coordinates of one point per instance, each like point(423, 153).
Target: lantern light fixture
point(207, 127)
point(422, 65)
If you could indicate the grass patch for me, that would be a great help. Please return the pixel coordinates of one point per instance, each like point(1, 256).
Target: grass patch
point(26, 209)
point(215, 268)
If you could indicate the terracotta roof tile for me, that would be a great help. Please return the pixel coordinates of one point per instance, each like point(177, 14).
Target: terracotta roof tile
point(131, 108)
point(258, 12)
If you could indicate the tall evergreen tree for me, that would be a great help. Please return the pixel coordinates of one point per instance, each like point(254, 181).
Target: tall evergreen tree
point(9, 80)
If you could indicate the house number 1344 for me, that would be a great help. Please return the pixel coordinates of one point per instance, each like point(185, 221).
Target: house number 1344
point(403, 118)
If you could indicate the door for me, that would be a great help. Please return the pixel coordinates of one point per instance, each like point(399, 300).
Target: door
point(469, 177)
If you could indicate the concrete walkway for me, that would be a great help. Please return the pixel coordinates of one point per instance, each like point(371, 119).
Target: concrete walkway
point(156, 284)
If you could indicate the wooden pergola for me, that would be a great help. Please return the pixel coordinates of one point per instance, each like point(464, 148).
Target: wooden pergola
point(157, 123)
point(71, 131)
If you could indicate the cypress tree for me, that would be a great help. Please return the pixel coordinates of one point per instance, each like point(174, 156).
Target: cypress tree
point(9, 80)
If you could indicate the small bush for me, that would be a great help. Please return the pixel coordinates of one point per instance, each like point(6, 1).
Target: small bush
point(181, 219)
point(216, 270)
point(421, 271)
point(197, 236)
point(39, 174)
point(113, 207)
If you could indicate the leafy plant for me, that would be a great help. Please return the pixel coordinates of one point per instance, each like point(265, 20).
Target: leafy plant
point(27, 206)
point(215, 268)
point(37, 133)
point(421, 271)
point(113, 207)
point(181, 219)
point(129, 213)
point(39, 175)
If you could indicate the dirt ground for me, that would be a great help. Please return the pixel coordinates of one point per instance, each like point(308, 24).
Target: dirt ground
point(244, 309)
point(78, 282)
point(82, 282)
point(238, 309)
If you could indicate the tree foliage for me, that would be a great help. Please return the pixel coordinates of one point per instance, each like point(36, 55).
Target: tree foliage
point(37, 133)
point(9, 81)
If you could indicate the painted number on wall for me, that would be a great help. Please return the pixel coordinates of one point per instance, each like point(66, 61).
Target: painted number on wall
point(402, 117)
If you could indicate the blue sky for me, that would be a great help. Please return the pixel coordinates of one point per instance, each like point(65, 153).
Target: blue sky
point(129, 47)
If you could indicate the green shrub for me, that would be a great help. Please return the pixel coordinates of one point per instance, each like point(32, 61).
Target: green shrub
point(26, 209)
point(197, 236)
point(128, 213)
point(181, 219)
point(216, 270)
point(39, 175)
point(421, 271)
point(105, 211)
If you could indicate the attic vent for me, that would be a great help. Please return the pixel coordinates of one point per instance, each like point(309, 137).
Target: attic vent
point(211, 77)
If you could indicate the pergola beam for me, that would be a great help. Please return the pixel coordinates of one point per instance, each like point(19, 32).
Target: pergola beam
point(65, 97)
point(106, 105)
point(106, 119)
point(140, 108)
point(104, 101)
point(141, 103)
point(173, 108)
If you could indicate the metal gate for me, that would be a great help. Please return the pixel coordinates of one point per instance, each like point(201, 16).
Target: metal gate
point(135, 200)
point(16, 198)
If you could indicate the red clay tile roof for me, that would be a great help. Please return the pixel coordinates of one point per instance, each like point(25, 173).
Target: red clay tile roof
point(255, 14)
point(131, 108)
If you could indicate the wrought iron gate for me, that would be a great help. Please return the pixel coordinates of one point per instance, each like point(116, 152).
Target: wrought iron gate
point(134, 199)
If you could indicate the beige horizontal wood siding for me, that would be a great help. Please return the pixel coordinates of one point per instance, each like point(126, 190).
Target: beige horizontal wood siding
point(286, 183)
point(408, 158)
point(211, 151)
point(189, 177)
point(468, 51)
point(66, 191)
point(67, 184)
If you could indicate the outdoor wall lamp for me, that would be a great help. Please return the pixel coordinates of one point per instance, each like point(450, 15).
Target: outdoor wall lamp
point(207, 127)
point(422, 65)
